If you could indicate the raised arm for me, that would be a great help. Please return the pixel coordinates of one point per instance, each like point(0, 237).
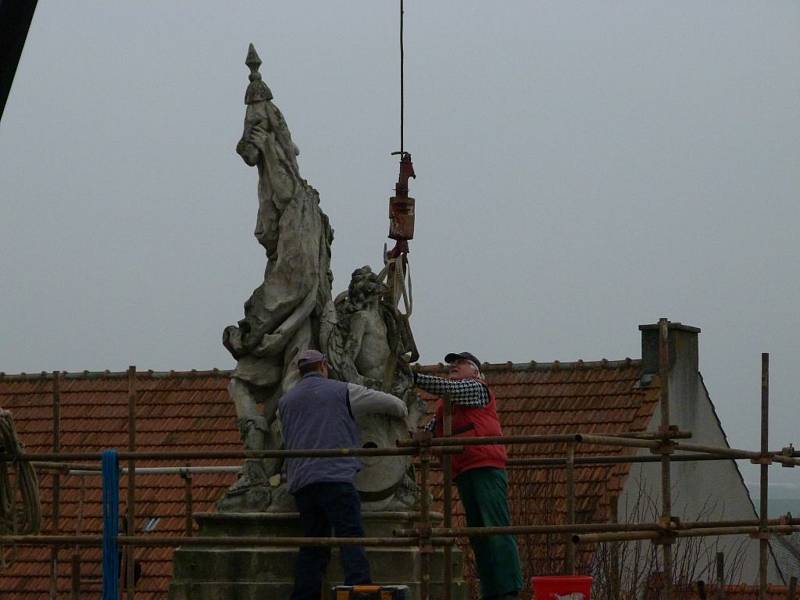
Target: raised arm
point(467, 392)
point(364, 401)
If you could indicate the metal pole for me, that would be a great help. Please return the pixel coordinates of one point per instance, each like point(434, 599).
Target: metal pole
point(153, 541)
point(763, 549)
point(512, 439)
point(658, 534)
point(570, 493)
point(701, 590)
point(175, 541)
point(443, 447)
point(612, 460)
point(187, 479)
point(425, 518)
point(447, 429)
point(720, 593)
point(438, 540)
point(131, 507)
point(182, 471)
point(615, 566)
point(596, 527)
point(792, 593)
point(76, 576)
point(56, 507)
point(666, 483)
point(181, 455)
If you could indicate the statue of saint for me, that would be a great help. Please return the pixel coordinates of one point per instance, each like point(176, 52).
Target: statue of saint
point(366, 339)
point(282, 315)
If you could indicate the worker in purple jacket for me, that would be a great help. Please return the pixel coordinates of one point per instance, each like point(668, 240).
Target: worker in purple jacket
point(320, 413)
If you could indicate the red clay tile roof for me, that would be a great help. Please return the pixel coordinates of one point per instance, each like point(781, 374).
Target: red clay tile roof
point(180, 411)
point(185, 411)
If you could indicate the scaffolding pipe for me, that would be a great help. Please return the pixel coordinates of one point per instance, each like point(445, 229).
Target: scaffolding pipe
point(75, 576)
point(666, 482)
point(720, 593)
point(570, 483)
point(182, 471)
point(56, 506)
point(628, 536)
point(499, 439)
point(616, 579)
point(594, 527)
point(424, 536)
point(763, 535)
point(189, 500)
point(437, 540)
point(51, 460)
point(447, 430)
point(130, 573)
point(612, 460)
point(175, 541)
point(227, 454)
point(565, 438)
point(720, 453)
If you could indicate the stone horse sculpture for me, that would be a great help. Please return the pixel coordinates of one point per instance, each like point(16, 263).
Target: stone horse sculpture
point(293, 310)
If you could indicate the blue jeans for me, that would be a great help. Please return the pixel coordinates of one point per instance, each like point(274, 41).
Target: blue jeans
point(322, 507)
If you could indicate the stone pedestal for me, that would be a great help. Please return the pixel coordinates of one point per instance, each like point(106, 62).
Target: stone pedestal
point(267, 573)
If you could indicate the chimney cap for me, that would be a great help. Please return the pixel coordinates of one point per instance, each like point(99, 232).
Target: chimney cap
point(672, 325)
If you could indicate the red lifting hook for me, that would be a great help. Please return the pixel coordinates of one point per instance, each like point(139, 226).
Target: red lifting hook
point(401, 208)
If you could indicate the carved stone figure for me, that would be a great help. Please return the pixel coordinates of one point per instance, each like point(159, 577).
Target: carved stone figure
point(282, 315)
point(369, 342)
point(366, 339)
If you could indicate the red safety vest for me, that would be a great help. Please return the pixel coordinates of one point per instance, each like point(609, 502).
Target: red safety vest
point(470, 421)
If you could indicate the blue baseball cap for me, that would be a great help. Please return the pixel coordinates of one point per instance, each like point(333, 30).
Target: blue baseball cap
point(309, 357)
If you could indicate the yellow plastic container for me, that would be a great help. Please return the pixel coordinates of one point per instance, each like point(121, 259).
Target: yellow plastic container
point(371, 592)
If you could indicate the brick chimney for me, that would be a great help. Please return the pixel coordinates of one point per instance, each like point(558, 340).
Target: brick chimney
point(684, 367)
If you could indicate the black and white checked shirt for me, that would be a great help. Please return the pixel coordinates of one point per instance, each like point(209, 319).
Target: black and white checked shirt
point(467, 392)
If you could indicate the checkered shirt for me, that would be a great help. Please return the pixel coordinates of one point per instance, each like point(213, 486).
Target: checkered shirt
point(467, 392)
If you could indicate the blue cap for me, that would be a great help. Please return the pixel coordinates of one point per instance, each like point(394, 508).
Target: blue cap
point(309, 357)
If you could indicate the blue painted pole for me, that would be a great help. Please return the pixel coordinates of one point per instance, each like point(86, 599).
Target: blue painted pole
point(110, 469)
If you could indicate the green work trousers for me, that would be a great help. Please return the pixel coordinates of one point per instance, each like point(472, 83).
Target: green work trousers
point(483, 493)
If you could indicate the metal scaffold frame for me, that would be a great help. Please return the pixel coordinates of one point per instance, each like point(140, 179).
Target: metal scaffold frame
point(663, 444)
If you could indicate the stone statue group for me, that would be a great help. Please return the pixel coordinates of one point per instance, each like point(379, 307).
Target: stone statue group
point(362, 333)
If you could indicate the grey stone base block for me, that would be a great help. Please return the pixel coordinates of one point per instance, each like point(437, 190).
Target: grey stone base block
point(264, 573)
point(276, 591)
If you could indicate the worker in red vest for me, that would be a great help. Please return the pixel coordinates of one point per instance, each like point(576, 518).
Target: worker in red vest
point(479, 471)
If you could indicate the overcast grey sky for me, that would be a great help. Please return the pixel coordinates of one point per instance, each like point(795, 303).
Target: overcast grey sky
point(583, 167)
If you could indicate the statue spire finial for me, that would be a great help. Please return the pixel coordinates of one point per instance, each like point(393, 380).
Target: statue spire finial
point(257, 90)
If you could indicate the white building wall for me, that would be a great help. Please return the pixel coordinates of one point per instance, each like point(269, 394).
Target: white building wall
point(701, 491)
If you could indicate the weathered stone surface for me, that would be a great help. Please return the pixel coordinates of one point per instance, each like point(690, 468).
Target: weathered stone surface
point(287, 524)
point(365, 337)
point(281, 591)
point(279, 317)
point(217, 573)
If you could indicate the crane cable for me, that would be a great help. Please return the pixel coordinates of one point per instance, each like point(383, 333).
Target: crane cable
point(400, 287)
point(402, 80)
